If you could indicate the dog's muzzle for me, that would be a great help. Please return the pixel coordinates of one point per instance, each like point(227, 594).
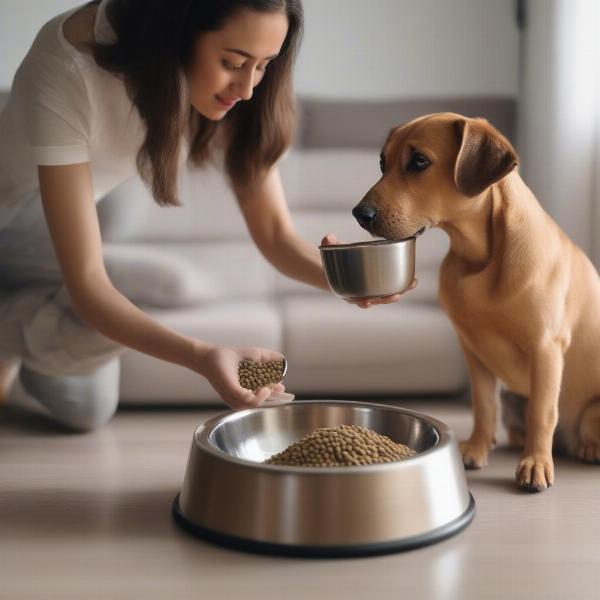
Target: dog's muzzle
point(364, 214)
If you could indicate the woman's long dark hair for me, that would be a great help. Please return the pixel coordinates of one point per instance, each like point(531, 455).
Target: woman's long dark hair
point(153, 50)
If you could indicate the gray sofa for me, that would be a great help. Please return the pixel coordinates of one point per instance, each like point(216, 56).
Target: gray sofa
point(211, 282)
point(195, 268)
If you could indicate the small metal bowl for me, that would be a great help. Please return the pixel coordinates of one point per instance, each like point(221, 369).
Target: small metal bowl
point(229, 496)
point(369, 269)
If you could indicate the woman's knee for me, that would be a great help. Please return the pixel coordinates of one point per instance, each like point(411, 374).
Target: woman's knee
point(78, 402)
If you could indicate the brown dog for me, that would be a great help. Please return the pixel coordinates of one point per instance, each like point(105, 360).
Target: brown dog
point(525, 301)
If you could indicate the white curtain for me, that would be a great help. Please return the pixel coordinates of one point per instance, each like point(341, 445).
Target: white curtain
point(559, 117)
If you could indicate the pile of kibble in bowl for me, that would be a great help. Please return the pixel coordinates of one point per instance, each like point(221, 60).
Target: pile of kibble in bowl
point(343, 446)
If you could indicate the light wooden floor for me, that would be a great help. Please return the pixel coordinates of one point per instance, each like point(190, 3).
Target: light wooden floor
point(88, 516)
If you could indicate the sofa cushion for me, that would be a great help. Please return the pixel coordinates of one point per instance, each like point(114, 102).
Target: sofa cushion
point(209, 211)
point(407, 349)
point(235, 269)
point(403, 347)
point(155, 276)
point(324, 180)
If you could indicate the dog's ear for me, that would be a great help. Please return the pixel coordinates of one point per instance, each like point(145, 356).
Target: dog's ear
point(485, 156)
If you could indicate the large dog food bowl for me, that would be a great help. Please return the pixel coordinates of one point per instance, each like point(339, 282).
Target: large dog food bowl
point(369, 269)
point(230, 497)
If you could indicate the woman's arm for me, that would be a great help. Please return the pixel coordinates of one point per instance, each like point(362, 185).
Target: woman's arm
point(73, 224)
point(268, 219)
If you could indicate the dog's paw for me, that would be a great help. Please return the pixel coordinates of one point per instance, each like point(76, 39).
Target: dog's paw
point(474, 454)
point(535, 473)
point(588, 452)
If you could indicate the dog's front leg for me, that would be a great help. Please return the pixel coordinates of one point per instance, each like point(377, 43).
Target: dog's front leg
point(483, 400)
point(535, 471)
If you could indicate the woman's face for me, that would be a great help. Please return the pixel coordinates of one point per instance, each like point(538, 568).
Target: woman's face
point(228, 63)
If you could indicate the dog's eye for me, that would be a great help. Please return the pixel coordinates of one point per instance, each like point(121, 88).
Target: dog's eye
point(382, 162)
point(417, 162)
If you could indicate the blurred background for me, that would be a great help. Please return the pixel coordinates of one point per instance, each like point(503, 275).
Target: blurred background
point(544, 54)
point(530, 66)
point(390, 48)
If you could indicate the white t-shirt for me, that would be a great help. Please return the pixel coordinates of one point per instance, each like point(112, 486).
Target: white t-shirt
point(62, 109)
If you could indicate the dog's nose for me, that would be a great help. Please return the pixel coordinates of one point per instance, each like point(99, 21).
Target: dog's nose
point(364, 213)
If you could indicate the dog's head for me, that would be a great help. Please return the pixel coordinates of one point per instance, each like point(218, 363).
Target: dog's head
point(433, 169)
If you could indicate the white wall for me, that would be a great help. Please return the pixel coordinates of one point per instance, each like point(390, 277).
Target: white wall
point(359, 48)
point(20, 20)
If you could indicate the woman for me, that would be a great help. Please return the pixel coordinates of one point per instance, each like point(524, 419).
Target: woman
point(108, 87)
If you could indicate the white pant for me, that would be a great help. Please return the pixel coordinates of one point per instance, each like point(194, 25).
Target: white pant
point(78, 402)
point(66, 366)
point(39, 327)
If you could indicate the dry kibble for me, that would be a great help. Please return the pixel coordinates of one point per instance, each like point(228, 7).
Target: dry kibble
point(254, 375)
point(341, 446)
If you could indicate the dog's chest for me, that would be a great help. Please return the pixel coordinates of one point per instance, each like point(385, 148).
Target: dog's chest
point(487, 327)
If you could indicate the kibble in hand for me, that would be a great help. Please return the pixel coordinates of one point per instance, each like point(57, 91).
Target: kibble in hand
point(343, 446)
point(254, 375)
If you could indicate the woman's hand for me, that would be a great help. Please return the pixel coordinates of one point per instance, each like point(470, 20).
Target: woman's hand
point(220, 366)
point(330, 240)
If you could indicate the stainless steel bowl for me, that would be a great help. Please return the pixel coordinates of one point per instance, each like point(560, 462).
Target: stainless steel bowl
point(230, 497)
point(369, 269)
